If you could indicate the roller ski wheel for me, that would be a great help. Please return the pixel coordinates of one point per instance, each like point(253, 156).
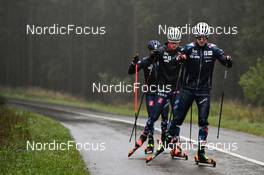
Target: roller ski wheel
point(149, 158)
point(158, 152)
point(149, 149)
point(177, 153)
point(207, 161)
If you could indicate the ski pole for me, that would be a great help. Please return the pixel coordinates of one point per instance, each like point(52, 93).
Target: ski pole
point(221, 105)
point(191, 125)
point(135, 101)
point(177, 85)
point(140, 104)
point(136, 116)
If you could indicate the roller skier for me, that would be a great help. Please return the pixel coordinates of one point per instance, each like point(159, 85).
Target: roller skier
point(150, 76)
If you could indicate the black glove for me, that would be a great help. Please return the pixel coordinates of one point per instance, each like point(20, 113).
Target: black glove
point(135, 59)
point(153, 54)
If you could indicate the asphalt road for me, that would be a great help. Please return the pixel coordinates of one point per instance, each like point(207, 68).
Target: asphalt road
point(113, 132)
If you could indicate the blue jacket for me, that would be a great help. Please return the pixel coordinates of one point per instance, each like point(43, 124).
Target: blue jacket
point(169, 69)
point(199, 66)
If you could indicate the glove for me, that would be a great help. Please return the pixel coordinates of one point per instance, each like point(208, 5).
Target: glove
point(181, 57)
point(229, 61)
point(135, 59)
point(228, 58)
point(153, 54)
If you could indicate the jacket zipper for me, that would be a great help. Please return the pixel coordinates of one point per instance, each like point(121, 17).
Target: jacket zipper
point(200, 68)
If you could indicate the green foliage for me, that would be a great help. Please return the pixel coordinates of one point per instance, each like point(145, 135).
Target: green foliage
point(252, 83)
point(2, 100)
point(72, 63)
point(18, 127)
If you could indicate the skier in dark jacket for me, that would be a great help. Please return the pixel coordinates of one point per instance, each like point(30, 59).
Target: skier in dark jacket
point(150, 75)
point(168, 80)
point(197, 83)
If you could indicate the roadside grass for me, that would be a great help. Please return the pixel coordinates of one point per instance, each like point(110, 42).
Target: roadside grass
point(236, 116)
point(18, 127)
point(42, 95)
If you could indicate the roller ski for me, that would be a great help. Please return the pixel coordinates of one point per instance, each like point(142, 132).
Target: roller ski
point(138, 144)
point(200, 157)
point(150, 147)
point(176, 150)
point(158, 152)
point(178, 153)
point(162, 145)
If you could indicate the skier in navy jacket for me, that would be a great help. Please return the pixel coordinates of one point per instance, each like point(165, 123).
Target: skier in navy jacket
point(199, 66)
point(168, 79)
point(150, 75)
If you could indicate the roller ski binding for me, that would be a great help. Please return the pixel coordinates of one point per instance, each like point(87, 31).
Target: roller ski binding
point(158, 152)
point(138, 144)
point(176, 150)
point(161, 149)
point(150, 147)
point(200, 157)
point(162, 138)
point(177, 153)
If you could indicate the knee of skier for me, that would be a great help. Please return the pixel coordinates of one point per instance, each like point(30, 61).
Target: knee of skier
point(150, 124)
point(178, 121)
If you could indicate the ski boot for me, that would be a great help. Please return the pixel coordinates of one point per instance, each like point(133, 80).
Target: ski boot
point(150, 148)
point(138, 144)
point(160, 149)
point(162, 138)
point(200, 157)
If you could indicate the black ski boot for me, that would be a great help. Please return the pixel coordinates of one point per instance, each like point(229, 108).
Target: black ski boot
point(201, 157)
point(163, 137)
point(150, 148)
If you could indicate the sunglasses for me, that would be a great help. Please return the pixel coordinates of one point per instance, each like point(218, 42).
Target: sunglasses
point(201, 37)
point(175, 43)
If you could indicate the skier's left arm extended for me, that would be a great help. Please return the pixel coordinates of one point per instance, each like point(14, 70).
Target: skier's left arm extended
point(225, 60)
point(142, 64)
